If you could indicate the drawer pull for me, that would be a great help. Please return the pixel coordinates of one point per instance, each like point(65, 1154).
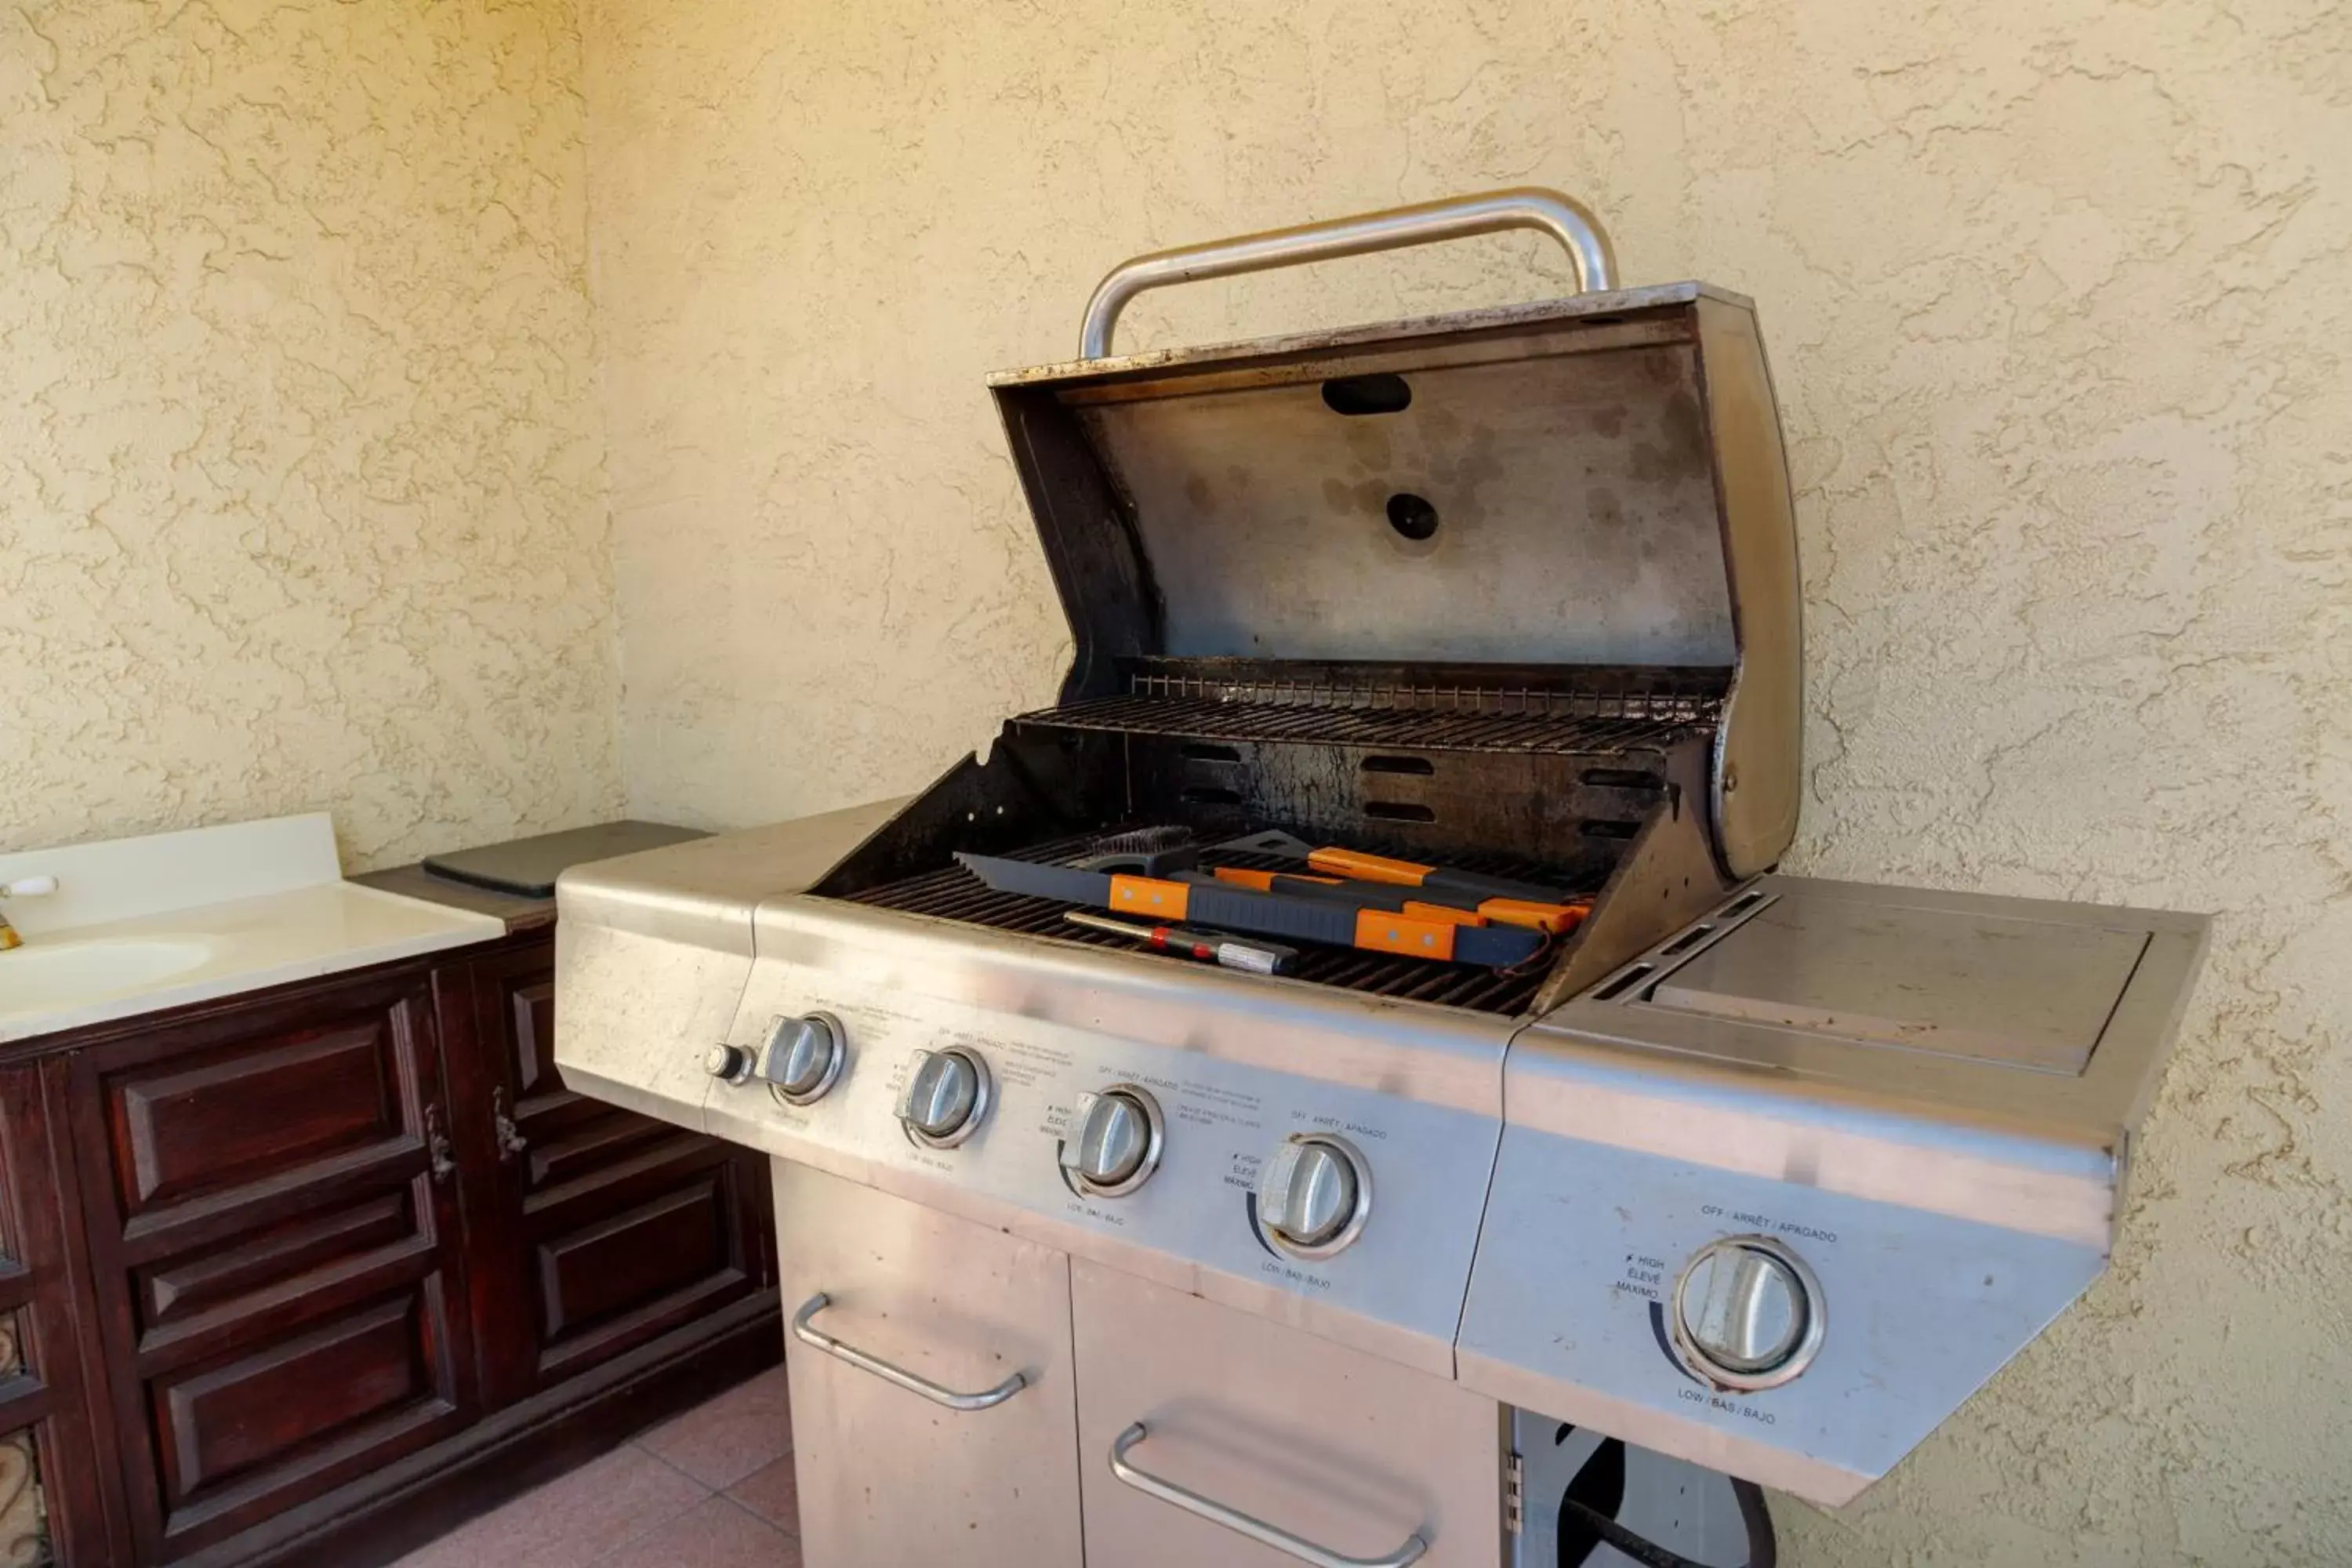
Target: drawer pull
point(819, 1339)
point(1240, 1523)
point(436, 1146)
point(510, 1138)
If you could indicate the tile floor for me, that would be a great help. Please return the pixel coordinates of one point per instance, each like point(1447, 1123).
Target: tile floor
point(712, 1488)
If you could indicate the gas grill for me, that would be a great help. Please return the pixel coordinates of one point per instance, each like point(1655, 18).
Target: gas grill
point(1755, 1172)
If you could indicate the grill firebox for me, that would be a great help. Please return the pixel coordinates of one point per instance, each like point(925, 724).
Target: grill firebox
point(954, 894)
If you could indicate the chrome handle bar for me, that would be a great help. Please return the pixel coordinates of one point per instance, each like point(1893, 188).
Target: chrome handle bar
point(1456, 217)
point(1240, 1523)
point(904, 1379)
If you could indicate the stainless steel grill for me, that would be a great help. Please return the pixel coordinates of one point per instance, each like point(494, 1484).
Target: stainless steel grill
point(1766, 1173)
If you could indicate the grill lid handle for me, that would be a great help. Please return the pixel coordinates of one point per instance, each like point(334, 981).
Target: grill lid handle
point(1456, 217)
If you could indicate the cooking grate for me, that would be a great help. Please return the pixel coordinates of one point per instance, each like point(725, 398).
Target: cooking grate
point(1468, 729)
point(955, 894)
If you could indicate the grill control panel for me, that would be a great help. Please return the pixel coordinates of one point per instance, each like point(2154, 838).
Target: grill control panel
point(1351, 1208)
point(1803, 1337)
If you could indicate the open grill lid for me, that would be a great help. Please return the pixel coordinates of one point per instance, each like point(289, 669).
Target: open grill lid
point(1591, 488)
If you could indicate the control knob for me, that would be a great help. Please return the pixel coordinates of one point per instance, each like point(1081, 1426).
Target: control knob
point(803, 1058)
point(1113, 1144)
point(1748, 1313)
point(946, 1097)
point(728, 1064)
point(1314, 1194)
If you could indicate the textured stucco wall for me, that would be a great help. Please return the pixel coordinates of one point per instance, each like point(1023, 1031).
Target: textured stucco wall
point(2057, 294)
point(301, 497)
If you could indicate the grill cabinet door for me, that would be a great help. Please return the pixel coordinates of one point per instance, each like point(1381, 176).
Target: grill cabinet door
point(1349, 1452)
point(885, 1475)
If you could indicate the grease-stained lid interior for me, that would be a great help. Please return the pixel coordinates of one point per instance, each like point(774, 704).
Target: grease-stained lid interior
point(1544, 496)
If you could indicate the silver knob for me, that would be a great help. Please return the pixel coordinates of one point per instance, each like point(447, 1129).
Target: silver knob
point(946, 1097)
point(1113, 1141)
point(804, 1056)
point(1314, 1194)
point(1748, 1312)
point(728, 1064)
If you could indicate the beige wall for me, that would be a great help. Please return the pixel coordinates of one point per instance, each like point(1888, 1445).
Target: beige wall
point(301, 502)
point(2058, 298)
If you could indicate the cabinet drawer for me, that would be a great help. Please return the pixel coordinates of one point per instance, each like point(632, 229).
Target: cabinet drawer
point(641, 1250)
point(242, 1436)
point(280, 1270)
point(255, 1109)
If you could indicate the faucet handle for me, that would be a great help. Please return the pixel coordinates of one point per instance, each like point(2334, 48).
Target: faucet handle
point(29, 886)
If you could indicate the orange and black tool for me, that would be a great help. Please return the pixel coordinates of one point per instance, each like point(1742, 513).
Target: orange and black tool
point(1438, 884)
point(1226, 907)
point(1429, 903)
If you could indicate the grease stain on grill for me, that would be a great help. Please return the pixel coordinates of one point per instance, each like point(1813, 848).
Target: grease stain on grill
point(1369, 447)
point(1462, 471)
point(1685, 431)
point(1652, 463)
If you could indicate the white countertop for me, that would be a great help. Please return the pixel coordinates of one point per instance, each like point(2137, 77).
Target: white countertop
point(140, 925)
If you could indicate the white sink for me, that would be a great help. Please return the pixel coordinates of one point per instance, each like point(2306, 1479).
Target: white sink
point(59, 974)
point(131, 926)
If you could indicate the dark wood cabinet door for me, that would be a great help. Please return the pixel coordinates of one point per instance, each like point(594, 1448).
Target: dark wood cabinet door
point(59, 1480)
point(270, 1193)
point(603, 1229)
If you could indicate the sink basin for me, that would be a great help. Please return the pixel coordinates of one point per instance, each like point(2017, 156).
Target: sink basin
point(61, 973)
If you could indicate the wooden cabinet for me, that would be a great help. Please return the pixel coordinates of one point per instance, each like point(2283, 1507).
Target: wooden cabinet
point(274, 1233)
point(603, 1229)
point(58, 1477)
point(314, 1274)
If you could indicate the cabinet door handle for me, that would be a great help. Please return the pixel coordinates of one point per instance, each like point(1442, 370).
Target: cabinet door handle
point(437, 1145)
point(898, 1376)
point(1240, 1523)
point(510, 1138)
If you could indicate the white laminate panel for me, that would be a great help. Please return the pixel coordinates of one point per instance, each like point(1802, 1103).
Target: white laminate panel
point(119, 969)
